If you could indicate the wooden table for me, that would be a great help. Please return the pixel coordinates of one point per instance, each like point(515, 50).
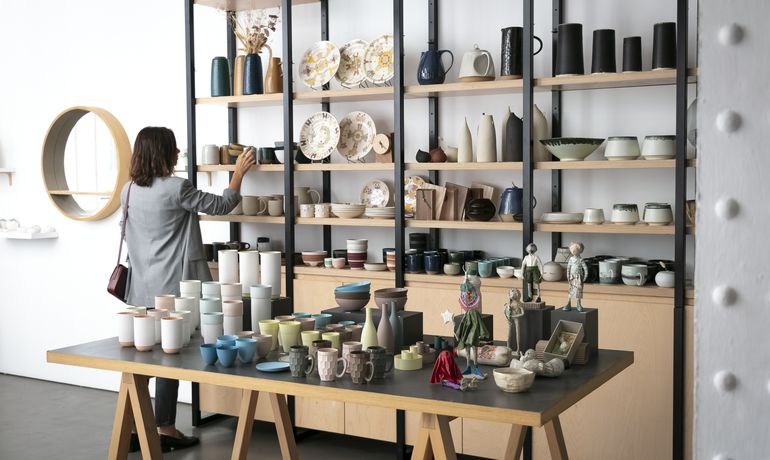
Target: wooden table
point(402, 390)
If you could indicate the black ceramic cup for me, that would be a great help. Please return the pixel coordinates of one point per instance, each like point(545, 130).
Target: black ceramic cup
point(266, 156)
point(632, 54)
point(569, 49)
point(664, 46)
point(603, 55)
point(511, 55)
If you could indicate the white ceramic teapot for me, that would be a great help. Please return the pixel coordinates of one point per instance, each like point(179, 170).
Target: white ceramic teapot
point(477, 65)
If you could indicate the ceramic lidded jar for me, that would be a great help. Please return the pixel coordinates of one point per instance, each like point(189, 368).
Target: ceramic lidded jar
point(486, 151)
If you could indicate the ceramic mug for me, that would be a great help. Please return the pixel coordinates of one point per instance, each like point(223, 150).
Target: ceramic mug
point(301, 363)
point(634, 274)
point(322, 209)
point(253, 206)
point(307, 210)
point(126, 328)
point(358, 361)
point(609, 271)
point(348, 347)
point(328, 362)
point(486, 268)
point(275, 207)
point(593, 216)
point(381, 361)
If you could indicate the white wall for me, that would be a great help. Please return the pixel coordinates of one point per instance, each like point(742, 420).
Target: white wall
point(130, 60)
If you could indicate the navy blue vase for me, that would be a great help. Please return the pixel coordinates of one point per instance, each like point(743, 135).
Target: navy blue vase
point(430, 70)
point(252, 75)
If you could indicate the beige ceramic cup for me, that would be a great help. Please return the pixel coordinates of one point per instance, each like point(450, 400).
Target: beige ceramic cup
point(165, 302)
point(333, 337)
point(307, 210)
point(253, 206)
point(126, 328)
point(275, 208)
point(322, 209)
point(347, 347)
point(328, 362)
point(309, 336)
point(306, 324)
point(172, 331)
point(264, 344)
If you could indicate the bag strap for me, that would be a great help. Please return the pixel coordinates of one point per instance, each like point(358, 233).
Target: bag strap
point(123, 225)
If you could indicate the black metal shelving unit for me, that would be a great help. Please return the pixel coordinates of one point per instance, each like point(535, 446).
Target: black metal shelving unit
point(528, 167)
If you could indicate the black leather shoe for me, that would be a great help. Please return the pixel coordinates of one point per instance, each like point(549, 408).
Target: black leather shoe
point(169, 443)
point(133, 444)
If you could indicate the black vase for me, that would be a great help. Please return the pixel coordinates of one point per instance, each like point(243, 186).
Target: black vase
point(603, 55)
point(569, 50)
point(220, 77)
point(480, 210)
point(664, 46)
point(632, 54)
point(513, 139)
point(252, 75)
point(511, 56)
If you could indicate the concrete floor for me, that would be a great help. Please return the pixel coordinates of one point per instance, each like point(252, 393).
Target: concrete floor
point(43, 420)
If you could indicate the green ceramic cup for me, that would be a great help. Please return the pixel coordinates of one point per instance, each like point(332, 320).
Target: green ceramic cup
point(486, 268)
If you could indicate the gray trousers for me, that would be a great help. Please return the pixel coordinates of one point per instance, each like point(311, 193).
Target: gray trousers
point(166, 392)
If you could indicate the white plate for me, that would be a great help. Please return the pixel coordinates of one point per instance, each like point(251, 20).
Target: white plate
point(378, 60)
point(351, 70)
point(375, 194)
point(319, 64)
point(319, 135)
point(357, 133)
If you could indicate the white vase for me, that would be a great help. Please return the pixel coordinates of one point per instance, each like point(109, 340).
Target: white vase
point(539, 131)
point(465, 144)
point(503, 130)
point(270, 264)
point(172, 331)
point(486, 141)
point(249, 269)
point(228, 266)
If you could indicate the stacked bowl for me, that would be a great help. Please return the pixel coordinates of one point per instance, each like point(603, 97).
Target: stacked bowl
point(388, 295)
point(313, 258)
point(353, 296)
point(381, 213)
point(357, 250)
point(348, 210)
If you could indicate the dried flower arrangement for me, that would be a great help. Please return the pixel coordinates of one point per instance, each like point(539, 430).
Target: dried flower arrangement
point(253, 28)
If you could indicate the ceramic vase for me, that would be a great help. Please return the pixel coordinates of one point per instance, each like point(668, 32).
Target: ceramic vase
point(270, 264)
point(248, 269)
point(486, 148)
point(465, 144)
point(504, 134)
point(369, 333)
point(238, 75)
point(171, 333)
point(512, 133)
point(385, 337)
point(228, 266)
point(220, 77)
point(539, 132)
point(274, 77)
point(252, 75)
point(398, 331)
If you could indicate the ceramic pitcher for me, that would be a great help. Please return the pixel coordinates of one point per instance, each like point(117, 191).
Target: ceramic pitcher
point(430, 70)
point(486, 150)
point(477, 64)
point(303, 195)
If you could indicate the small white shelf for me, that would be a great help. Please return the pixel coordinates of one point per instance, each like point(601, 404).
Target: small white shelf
point(8, 172)
point(28, 236)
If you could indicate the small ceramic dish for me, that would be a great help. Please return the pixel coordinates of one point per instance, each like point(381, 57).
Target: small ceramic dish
point(272, 366)
point(505, 271)
point(513, 380)
point(562, 217)
point(375, 267)
point(571, 148)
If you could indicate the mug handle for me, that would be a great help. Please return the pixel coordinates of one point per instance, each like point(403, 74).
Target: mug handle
point(369, 377)
point(534, 201)
point(309, 370)
point(489, 62)
point(541, 45)
point(644, 214)
point(344, 367)
point(318, 195)
point(263, 209)
point(246, 245)
point(641, 279)
point(450, 55)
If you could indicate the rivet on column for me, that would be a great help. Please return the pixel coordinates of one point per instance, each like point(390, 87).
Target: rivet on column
point(731, 34)
point(726, 208)
point(724, 296)
point(722, 457)
point(728, 121)
point(725, 381)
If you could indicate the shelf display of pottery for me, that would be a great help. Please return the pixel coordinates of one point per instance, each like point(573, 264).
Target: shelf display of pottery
point(356, 63)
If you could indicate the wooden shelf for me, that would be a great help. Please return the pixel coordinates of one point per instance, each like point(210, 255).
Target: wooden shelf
point(28, 236)
point(344, 273)
point(336, 221)
point(464, 225)
point(344, 167)
point(8, 172)
point(243, 219)
point(465, 89)
point(612, 80)
point(379, 93)
point(638, 229)
point(505, 166)
point(252, 100)
point(240, 5)
point(74, 192)
point(605, 164)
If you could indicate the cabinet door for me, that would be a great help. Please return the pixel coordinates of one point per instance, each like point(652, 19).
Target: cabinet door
point(370, 422)
point(485, 439)
point(413, 425)
point(318, 414)
point(223, 400)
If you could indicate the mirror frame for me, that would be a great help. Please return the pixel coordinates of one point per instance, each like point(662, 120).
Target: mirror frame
point(53, 162)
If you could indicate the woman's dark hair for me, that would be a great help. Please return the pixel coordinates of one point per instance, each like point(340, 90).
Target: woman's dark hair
point(154, 155)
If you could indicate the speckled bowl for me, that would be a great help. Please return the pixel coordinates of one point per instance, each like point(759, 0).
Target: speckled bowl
point(513, 380)
point(571, 148)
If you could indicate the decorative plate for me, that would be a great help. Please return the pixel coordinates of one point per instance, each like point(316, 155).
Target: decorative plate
point(411, 185)
point(357, 133)
point(319, 135)
point(272, 366)
point(351, 70)
point(319, 64)
point(375, 194)
point(378, 60)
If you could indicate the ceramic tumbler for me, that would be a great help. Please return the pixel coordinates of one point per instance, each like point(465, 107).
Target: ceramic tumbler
point(308, 337)
point(157, 315)
point(209, 155)
point(275, 208)
point(355, 331)
point(270, 326)
point(348, 347)
point(226, 355)
point(185, 304)
point(307, 210)
point(187, 328)
point(333, 337)
point(322, 209)
point(486, 268)
point(190, 288)
point(360, 367)
point(300, 361)
point(144, 333)
point(270, 264)
point(632, 54)
point(141, 311)
point(247, 349)
point(321, 320)
point(172, 331)
point(664, 46)
point(569, 50)
point(415, 263)
point(289, 334)
point(603, 55)
point(264, 344)
point(248, 270)
point(165, 302)
point(305, 324)
point(231, 291)
point(328, 362)
point(211, 289)
point(228, 266)
point(220, 77)
point(126, 328)
point(210, 332)
point(381, 361)
point(233, 324)
point(432, 263)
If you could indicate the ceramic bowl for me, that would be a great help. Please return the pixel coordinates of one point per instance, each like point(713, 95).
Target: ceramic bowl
point(391, 292)
point(339, 262)
point(399, 301)
point(505, 271)
point(552, 271)
point(593, 216)
point(452, 268)
point(665, 279)
point(360, 286)
point(348, 211)
point(313, 258)
point(513, 380)
point(625, 214)
point(227, 354)
point(622, 148)
point(352, 295)
point(657, 214)
point(351, 304)
point(659, 147)
point(562, 217)
point(571, 148)
point(375, 267)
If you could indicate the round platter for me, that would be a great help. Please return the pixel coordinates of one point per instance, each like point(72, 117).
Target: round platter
point(351, 70)
point(319, 64)
point(411, 185)
point(272, 366)
point(378, 60)
point(375, 194)
point(356, 137)
point(319, 135)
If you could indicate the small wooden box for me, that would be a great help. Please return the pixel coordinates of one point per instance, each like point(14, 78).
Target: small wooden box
point(569, 330)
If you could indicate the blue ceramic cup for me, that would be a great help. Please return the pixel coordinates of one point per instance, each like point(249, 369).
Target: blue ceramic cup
point(247, 348)
point(347, 323)
point(209, 353)
point(414, 263)
point(227, 354)
point(301, 314)
point(321, 320)
point(227, 340)
point(432, 263)
point(486, 268)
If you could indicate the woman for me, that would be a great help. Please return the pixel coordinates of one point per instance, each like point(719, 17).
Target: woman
point(164, 243)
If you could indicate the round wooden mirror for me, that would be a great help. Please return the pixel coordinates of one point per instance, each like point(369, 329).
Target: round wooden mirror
point(88, 148)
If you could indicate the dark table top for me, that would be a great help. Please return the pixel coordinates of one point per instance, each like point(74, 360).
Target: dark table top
point(407, 390)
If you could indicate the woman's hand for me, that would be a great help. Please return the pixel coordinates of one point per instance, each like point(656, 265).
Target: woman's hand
point(245, 161)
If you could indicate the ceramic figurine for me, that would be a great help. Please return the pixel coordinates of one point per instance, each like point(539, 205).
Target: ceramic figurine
point(552, 368)
point(513, 312)
point(532, 272)
point(577, 272)
point(471, 329)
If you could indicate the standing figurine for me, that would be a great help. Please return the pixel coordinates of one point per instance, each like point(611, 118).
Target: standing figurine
point(532, 272)
point(577, 272)
point(471, 329)
point(513, 312)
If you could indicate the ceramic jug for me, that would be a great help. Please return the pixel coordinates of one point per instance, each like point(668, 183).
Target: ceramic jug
point(477, 65)
point(511, 203)
point(303, 195)
point(513, 132)
point(465, 144)
point(430, 70)
point(369, 332)
point(486, 151)
point(539, 132)
point(274, 76)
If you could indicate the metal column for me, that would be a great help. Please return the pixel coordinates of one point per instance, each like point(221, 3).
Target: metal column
point(288, 138)
point(528, 83)
point(326, 177)
point(189, 42)
point(398, 136)
point(433, 109)
point(557, 16)
point(232, 119)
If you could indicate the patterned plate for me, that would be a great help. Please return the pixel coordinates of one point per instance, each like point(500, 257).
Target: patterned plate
point(319, 135)
point(378, 60)
point(411, 185)
point(319, 64)
point(357, 133)
point(351, 71)
point(375, 194)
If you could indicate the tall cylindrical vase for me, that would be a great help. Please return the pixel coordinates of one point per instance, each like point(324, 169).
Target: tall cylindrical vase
point(248, 269)
point(252, 75)
point(369, 332)
point(260, 304)
point(486, 141)
point(228, 266)
point(238, 75)
point(465, 144)
point(385, 331)
point(220, 77)
point(270, 262)
point(395, 324)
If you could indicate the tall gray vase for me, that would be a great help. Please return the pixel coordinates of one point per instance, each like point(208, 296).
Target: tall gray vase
point(384, 330)
point(398, 331)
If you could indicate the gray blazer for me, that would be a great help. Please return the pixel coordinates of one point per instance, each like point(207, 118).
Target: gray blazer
point(163, 236)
